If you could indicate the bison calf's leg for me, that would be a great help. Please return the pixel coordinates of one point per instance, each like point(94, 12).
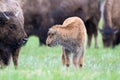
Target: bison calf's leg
point(65, 57)
point(15, 56)
point(78, 58)
point(81, 59)
point(75, 60)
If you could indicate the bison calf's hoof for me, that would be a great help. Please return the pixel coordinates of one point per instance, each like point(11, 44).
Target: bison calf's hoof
point(81, 65)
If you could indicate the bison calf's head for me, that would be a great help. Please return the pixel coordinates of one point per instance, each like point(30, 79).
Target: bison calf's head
point(52, 38)
point(11, 29)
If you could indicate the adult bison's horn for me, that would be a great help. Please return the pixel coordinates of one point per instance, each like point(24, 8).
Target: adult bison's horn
point(7, 18)
point(17, 14)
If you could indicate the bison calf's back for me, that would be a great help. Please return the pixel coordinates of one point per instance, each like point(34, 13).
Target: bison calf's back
point(71, 35)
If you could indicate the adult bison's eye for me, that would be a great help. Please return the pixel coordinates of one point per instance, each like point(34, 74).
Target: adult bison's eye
point(12, 26)
point(2, 22)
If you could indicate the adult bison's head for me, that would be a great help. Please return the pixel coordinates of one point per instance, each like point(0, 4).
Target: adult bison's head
point(108, 36)
point(11, 29)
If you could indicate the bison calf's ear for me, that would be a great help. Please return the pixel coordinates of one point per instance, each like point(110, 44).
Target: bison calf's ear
point(51, 31)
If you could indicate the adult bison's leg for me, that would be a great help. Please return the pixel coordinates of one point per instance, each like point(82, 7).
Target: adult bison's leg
point(89, 27)
point(89, 40)
point(96, 39)
point(66, 54)
point(42, 39)
point(42, 34)
point(95, 21)
point(46, 23)
point(92, 29)
point(5, 58)
point(95, 26)
point(15, 56)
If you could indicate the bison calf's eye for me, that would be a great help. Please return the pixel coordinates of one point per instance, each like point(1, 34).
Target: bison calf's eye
point(51, 35)
point(12, 26)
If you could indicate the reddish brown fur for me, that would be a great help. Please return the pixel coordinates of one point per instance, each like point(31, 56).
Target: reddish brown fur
point(71, 35)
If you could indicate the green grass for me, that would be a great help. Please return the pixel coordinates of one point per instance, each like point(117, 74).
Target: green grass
point(44, 63)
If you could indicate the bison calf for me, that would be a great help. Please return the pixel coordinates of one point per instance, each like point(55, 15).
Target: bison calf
point(71, 35)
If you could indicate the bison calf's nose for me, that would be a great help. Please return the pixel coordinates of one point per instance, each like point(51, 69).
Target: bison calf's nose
point(47, 43)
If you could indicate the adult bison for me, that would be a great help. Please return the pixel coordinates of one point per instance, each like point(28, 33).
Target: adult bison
point(111, 25)
point(88, 10)
point(41, 14)
point(12, 34)
point(37, 18)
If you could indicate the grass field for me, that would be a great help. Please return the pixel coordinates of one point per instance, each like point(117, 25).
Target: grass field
point(44, 63)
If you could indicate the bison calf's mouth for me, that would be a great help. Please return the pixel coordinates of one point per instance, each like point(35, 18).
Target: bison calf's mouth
point(47, 43)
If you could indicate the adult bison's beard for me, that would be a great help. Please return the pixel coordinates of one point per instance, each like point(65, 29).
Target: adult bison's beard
point(5, 54)
point(13, 43)
point(8, 49)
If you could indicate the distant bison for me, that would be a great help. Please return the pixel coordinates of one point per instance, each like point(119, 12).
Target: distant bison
point(111, 25)
point(12, 34)
point(41, 14)
point(71, 35)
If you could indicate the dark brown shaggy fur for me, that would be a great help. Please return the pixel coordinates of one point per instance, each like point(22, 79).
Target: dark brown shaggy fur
point(12, 34)
point(42, 14)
